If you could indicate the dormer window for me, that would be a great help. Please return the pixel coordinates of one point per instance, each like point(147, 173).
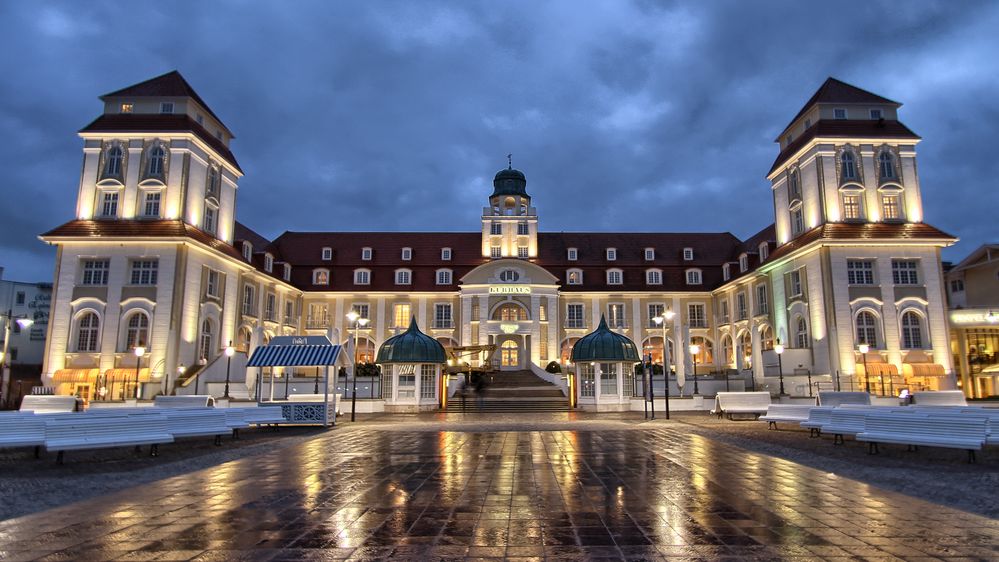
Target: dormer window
point(407, 254)
point(287, 272)
point(876, 114)
point(688, 254)
point(327, 254)
point(743, 263)
point(268, 263)
point(693, 276)
point(572, 254)
point(764, 252)
point(650, 254)
point(654, 277)
point(200, 119)
point(126, 108)
point(320, 277)
point(726, 272)
point(574, 277)
point(614, 277)
point(403, 277)
point(445, 254)
point(247, 251)
point(808, 124)
point(166, 107)
point(839, 113)
point(611, 254)
point(443, 276)
point(366, 254)
point(362, 277)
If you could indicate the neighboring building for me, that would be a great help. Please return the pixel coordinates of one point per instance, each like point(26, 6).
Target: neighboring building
point(973, 295)
point(155, 257)
point(26, 349)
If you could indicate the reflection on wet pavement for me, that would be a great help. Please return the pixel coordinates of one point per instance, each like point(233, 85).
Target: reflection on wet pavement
point(623, 493)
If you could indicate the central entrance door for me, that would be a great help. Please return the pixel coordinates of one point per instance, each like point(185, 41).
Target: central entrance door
point(510, 355)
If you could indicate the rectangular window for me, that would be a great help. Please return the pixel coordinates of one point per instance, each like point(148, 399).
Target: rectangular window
point(957, 286)
point(860, 272)
point(613, 277)
point(407, 254)
point(876, 114)
point(611, 254)
point(693, 277)
point(740, 301)
point(522, 229)
point(764, 251)
point(318, 316)
point(289, 312)
point(166, 107)
point(797, 221)
point(152, 206)
point(362, 277)
point(572, 254)
point(795, 283)
point(762, 307)
point(428, 383)
point(126, 108)
point(268, 263)
point(327, 254)
point(889, 204)
point(574, 316)
point(361, 308)
point(495, 252)
point(213, 288)
point(249, 301)
point(696, 316)
point(587, 385)
point(320, 277)
point(211, 214)
point(905, 272)
point(287, 272)
point(851, 207)
point(839, 113)
point(574, 277)
point(743, 263)
point(446, 254)
point(724, 310)
point(608, 379)
point(269, 307)
point(442, 315)
point(20, 297)
point(444, 277)
point(543, 314)
point(615, 315)
point(109, 204)
point(726, 272)
point(650, 254)
point(401, 315)
point(655, 310)
point(495, 228)
point(402, 277)
point(95, 272)
point(407, 381)
point(144, 272)
point(688, 254)
point(200, 119)
point(654, 277)
point(366, 254)
point(522, 252)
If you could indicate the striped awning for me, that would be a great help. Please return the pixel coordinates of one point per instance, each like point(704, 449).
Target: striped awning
point(294, 356)
point(75, 375)
point(127, 375)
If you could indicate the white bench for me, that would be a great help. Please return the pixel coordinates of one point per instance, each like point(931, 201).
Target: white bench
point(68, 433)
point(181, 401)
point(235, 420)
point(840, 398)
point(47, 404)
point(939, 398)
point(264, 415)
point(22, 429)
point(728, 403)
point(991, 430)
point(795, 413)
point(197, 422)
point(850, 421)
point(817, 419)
point(959, 431)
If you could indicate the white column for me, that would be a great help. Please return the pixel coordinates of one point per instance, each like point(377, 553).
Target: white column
point(679, 344)
point(127, 203)
point(757, 353)
point(554, 317)
point(483, 317)
point(595, 312)
point(536, 329)
point(421, 312)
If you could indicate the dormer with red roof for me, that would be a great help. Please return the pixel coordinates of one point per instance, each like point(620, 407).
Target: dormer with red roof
point(845, 157)
point(159, 152)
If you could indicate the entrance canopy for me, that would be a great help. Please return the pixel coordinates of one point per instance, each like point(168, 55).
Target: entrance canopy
point(296, 351)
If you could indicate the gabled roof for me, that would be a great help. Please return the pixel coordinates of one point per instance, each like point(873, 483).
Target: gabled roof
point(986, 251)
point(837, 91)
point(171, 84)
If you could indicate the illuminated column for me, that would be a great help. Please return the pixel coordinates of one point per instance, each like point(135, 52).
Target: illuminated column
point(756, 342)
point(466, 320)
point(554, 317)
point(127, 203)
point(172, 205)
point(483, 317)
point(679, 344)
point(536, 329)
point(88, 191)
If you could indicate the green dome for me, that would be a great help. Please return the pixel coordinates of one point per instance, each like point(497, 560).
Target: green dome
point(509, 182)
point(604, 345)
point(411, 346)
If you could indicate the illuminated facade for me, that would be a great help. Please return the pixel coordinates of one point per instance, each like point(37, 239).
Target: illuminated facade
point(155, 257)
point(974, 320)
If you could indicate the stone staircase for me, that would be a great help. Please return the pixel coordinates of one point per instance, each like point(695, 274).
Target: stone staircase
point(512, 392)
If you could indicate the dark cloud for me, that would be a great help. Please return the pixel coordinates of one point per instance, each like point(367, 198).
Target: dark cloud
point(394, 115)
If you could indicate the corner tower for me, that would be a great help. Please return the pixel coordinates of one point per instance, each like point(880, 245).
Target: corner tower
point(509, 223)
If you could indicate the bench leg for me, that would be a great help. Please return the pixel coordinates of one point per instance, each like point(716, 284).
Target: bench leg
point(218, 440)
point(771, 425)
point(971, 456)
point(60, 457)
point(814, 432)
point(872, 448)
point(38, 451)
point(235, 433)
point(154, 450)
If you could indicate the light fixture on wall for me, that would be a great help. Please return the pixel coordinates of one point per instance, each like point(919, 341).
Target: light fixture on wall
point(992, 317)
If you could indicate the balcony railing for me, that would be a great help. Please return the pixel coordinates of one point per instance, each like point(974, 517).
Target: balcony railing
point(291, 320)
point(443, 325)
point(249, 310)
point(575, 324)
point(698, 323)
point(317, 323)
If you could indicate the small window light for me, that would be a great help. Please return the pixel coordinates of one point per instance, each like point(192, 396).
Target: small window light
point(126, 108)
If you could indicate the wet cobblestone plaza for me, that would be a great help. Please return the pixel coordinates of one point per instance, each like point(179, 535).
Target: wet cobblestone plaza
point(370, 492)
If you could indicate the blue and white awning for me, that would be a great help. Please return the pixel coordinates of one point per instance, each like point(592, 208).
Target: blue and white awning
point(294, 356)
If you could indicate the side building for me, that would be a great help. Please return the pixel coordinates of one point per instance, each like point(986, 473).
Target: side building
point(155, 259)
point(973, 297)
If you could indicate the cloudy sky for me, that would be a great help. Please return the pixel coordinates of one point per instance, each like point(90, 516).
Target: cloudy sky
point(626, 116)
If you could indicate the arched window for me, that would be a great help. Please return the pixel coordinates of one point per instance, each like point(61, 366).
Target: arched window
point(727, 351)
point(747, 350)
point(794, 185)
point(912, 331)
point(768, 337)
point(801, 333)
point(614, 277)
point(848, 166)
point(705, 353)
point(87, 329)
point(112, 165)
point(214, 183)
point(867, 331)
point(137, 333)
point(211, 215)
point(886, 165)
point(574, 277)
point(243, 340)
point(205, 346)
point(510, 313)
point(157, 159)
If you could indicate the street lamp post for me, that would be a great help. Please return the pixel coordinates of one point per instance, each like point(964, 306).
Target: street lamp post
point(779, 350)
point(229, 352)
point(139, 352)
point(180, 371)
point(661, 321)
point(694, 350)
point(354, 317)
point(23, 322)
point(864, 348)
point(197, 378)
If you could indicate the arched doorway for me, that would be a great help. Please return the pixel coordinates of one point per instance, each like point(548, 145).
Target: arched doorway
point(509, 355)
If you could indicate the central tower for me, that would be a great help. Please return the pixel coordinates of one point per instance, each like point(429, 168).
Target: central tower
point(509, 223)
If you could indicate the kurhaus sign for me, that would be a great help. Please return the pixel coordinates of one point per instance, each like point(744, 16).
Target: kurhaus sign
point(509, 290)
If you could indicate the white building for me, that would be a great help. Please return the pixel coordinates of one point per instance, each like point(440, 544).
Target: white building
point(155, 258)
point(22, 366)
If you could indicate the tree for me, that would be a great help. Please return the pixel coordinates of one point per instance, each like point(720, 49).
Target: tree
point(553, 367)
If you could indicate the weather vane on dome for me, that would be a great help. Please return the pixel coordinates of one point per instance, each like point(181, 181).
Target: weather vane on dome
point(509, 161)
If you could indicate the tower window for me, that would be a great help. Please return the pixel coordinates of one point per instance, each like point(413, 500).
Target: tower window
point(327, 254)
point(876, 114)
point(797, 221)
point(495, 252)
point(867, 329)
point(522, 229)
point(522, 252)
point(109, 204)
point(152, 205)
point(495, 228)
point(166, 107)
point(886, 165)
point(211, 217)
point(446, 254)
point(795, 278)
point(688, 254)
point(839, 113)
point(851, 207)
point(572, 254)
point(848, 167)
point(890, 208)
point(794, 185)
point(407, 254)
point(366, 254)
point(126, 108)
point(611, 254)
point(113, 160)
point(157, 157)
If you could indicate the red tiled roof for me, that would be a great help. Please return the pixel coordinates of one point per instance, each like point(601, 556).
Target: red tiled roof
point(171, 84)
point(138, 228)
point(863, 231)
point(140, 122)
point(837, 91)
point(845, 128)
